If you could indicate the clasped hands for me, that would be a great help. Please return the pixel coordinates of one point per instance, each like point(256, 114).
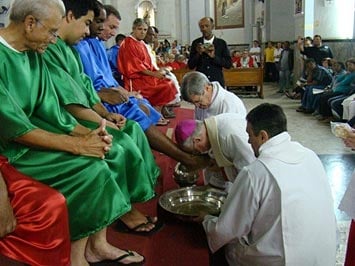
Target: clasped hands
point(97, 143)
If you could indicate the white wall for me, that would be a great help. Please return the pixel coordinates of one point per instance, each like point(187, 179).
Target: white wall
point(334, 20)
point(178, 19)
point(231, 36)
point(281, 21)
point(4, 16)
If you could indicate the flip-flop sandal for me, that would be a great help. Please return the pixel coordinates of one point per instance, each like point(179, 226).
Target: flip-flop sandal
point(288, 95)
point(162, 122)
point(167, 113)
point(118, 260)
point(123, 228)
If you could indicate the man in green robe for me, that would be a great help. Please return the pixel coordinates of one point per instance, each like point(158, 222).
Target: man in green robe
point(137, 168)
point(45, 141)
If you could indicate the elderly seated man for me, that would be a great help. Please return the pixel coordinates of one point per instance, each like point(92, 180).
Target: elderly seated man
point(224, 138)
point(209, 98)
point(42, 139)
point(139, 73)
point(245, 61)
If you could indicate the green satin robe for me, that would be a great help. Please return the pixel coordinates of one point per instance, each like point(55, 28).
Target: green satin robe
point(138, 171)
point(92, 186)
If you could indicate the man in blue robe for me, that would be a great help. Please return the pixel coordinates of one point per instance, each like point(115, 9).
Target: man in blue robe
point(96, 66)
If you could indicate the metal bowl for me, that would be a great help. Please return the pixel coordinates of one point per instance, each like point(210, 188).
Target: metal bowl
point(183, 177)
point(189, 201)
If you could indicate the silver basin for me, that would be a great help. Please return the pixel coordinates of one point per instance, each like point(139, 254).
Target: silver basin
point(189, 201)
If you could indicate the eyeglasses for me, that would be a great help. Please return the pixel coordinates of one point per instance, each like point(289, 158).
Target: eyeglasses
point(53, 33)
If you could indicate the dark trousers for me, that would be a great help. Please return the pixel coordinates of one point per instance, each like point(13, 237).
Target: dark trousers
point(270, 72)
point(337, 105)
point(324, 103)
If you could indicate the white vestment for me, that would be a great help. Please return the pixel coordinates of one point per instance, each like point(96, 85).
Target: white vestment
point(279, 210)
point(347, 111)
point(229, 142)
point(223, 101)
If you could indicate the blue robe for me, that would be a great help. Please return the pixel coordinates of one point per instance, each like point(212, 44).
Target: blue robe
point(112, 55)
point(96, 66)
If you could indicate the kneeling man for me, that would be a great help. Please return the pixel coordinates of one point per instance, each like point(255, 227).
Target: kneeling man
point(279, 210)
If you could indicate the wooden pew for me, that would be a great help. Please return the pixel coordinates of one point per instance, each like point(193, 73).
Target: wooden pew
point(236, 77)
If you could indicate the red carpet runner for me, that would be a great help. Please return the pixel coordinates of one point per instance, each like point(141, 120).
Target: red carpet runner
point(177, 243)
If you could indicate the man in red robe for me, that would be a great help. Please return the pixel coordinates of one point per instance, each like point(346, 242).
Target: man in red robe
point(34, 225)
point(138, 71)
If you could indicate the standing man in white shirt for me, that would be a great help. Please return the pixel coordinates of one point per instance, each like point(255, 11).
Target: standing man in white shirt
point(255, 52)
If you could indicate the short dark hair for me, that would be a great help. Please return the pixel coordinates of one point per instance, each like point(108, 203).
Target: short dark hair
point(351, 60)
point(268, 117)
point(111, 10)
point(309, 60)
point(80, 8)
point(138, 22)
point(155, 29)
point(119, 37)
point(341, 64)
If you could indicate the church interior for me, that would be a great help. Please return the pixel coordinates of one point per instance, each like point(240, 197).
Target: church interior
point(181, 242)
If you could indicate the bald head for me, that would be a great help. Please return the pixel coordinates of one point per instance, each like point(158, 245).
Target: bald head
point(206, 25)
point(40, 9)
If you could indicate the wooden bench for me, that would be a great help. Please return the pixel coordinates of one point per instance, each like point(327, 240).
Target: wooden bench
point(242, 77)
point(236, 78)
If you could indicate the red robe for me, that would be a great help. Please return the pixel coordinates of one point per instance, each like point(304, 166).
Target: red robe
point(41, 237)
point(134, 58)
point(250, 62)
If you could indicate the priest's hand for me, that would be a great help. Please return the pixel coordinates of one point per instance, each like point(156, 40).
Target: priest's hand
point(200, 217)
point(7, 217)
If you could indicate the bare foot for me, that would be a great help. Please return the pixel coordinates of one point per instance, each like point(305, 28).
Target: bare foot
point(97, 252)
point(135, 219)
point(198, 162)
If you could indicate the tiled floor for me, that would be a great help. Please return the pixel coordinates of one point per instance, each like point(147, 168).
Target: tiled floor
point(339, 161)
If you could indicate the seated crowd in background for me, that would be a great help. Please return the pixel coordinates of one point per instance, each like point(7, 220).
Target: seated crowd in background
point(122, 137)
